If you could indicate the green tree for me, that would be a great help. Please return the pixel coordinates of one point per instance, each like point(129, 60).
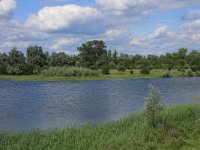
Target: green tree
point(59, 59)
point(193, 59)
point(114, 60)
point(145, 66)
point(195, 64)
point(91, 52)
point(181, 60)
point(193, 54)
point(36, 56)
point(153, 61)
point(136, 61)
point(169, 61)
point(16, 57)
point(115, 54)
point(4, 60)
point(124, 60)
point(182, 52)
point(121, 68)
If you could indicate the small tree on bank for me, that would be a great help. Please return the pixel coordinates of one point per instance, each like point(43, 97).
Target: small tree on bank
point(153, 105)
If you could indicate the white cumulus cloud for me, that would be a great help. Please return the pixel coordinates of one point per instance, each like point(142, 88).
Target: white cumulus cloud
point(161, 33)
point(142, 7)
point(6, 8)
point(190, 31)
point(193, 15)
point(64, 42)
point(68, 18)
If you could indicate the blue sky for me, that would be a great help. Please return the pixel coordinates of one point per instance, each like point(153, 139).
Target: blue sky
point(24, 8)
point(143, 26)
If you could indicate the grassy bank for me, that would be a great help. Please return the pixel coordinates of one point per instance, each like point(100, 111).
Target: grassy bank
point(177, 127)
point(114, 74)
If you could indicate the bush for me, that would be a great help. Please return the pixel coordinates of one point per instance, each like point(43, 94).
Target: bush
point(198, 74)
point(3, 69)
point(93, 67)
point(195, 68)
point(131, 72)
point(69, 72)
point(153, 105)
point(20, 69)
point(145, 70)
point(121, 68)
point(181, 69)
point(190, 73)
point(37, 70)
point(13, 70)
point(26, 69)
point(166, 75)
point(105, 71)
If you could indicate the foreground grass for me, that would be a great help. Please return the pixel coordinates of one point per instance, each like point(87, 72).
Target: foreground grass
point(114, 74)
point(177, 127)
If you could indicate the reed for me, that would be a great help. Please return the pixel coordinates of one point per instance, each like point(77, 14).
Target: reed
point(178, 127)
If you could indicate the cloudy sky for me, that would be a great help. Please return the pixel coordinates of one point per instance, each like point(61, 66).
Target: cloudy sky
point(130, 26)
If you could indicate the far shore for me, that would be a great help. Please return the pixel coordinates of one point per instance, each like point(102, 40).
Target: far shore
point(114, 74)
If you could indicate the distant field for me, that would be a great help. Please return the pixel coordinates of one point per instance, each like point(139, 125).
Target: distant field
point(114, 74)
point(178, 127)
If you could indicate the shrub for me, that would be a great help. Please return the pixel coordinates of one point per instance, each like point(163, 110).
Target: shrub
point(153, 105)
point(2, 69)
point(181, 69)
point(131, 72)
point(197, 73)
point(69, 72)
point(93, 67)
point(105, 71)
point(145, 70)
point(26, 69)
point(13, 70)
point(195, 68)
point(37, 70)
point(190, 73)
point(121, 68)
point(20, 69)
point(166, 75)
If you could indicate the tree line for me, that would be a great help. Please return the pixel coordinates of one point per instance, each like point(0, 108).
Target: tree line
point(95, 56)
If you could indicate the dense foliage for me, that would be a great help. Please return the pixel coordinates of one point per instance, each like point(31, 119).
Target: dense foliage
point(94, 55)
point(69, 72)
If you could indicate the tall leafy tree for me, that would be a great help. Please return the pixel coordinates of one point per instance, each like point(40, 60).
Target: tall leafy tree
point(91, 52)
point(182, 52)
point(59, 59)
point(194, 60)
point(16, 57)
point(4, 61)
point(36, 56)
point(153, 61)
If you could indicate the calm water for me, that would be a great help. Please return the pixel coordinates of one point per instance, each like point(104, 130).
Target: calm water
point(31, 105)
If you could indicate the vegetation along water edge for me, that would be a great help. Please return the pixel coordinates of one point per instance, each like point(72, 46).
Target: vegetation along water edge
point(95, 62)
point(97, 75)
point(156, 127)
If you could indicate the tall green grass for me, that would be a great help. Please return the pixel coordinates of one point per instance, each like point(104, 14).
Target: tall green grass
point(177, 127)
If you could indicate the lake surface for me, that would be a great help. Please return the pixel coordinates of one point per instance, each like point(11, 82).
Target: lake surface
point(25, 106)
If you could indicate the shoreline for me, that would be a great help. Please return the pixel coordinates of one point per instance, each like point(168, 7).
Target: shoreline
point(114, 75)
point(177, 127)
